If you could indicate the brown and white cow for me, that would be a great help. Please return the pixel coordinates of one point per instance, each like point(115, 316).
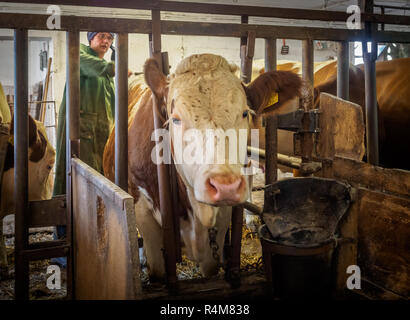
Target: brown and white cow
point(202, 94)
point(41, 158)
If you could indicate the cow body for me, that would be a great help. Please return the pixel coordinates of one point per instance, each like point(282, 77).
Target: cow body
point(203, 94)
point(40, 181)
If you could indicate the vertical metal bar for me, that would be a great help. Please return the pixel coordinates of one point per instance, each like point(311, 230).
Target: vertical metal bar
point(156, 37)
point(165, 199)
point(343, 70)
point(372, 127)
point(121, 112)
point(271, 133)
point(307, 61)
point(307, 76)
point(21, 162)
point(72, 139)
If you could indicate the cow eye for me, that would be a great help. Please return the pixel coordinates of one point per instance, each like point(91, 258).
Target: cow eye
point(176, 121)
point(245, 113)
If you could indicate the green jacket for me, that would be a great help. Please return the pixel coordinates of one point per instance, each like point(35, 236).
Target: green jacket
point(97, 103)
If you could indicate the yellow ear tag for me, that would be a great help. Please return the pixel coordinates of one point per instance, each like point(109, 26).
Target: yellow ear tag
point(11, 140)
point(273, 99)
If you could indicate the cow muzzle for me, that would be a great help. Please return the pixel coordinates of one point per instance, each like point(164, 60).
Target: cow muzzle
point(226, 190)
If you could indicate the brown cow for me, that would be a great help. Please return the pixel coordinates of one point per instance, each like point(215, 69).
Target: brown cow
point(40, 181)
point(202, 94)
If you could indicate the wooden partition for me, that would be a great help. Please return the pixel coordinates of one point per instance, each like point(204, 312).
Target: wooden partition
point(379, 218)
point(105, 239)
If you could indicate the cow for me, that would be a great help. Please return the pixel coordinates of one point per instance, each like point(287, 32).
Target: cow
point(41, 158)
point(393, 96)
point(202, 94)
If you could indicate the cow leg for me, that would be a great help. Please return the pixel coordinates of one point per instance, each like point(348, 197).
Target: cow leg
point(4, 270)
point(152, 235)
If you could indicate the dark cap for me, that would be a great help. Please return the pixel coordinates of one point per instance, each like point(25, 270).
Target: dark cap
point(91, 35)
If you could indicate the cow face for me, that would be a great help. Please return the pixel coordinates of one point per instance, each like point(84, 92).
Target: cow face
point(209, 113)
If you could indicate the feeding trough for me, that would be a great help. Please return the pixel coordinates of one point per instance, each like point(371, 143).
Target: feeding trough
point(301, 219)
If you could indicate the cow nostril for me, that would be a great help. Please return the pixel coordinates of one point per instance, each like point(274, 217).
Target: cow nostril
point(212, 189)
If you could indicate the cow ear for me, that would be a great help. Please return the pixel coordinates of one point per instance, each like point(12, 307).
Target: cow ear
point(273, 88)
point(32, 130)
point(155, 79)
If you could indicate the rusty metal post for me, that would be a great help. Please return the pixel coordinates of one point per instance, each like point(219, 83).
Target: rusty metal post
point(72, 138)
point(343, 70)
point(121, 111)
point(21, 162)
point(372, 121)
point(165, 199)
point(307, 76)
point(271, 133)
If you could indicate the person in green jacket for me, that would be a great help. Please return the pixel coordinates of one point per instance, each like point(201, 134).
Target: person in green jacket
point(97, 111)
point(96, 107)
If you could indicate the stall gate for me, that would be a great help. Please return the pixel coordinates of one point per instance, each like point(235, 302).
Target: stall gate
point(106, 259)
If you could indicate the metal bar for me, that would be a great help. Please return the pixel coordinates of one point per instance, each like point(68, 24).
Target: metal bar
point(47, 253)
point(343, 70)
point(372, 127)
point(21, 162)
point(156, 37)
point(121, 111)
point(292, 162)
point(256, 11)
point(308, 77)
point(271, 133)
point(39, 22)
point(236, 237)
point(72, 139)
point(165, 198)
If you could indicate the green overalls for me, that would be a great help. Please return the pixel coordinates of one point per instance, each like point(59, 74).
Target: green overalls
point(97, 105)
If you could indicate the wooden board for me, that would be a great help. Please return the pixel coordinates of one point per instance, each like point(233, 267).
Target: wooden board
point(105, 238)
point(384, 241)
point(341, 129)
point(361, 174)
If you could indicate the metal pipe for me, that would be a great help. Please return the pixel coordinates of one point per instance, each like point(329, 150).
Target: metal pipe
point(72, 138)
point(292, 162)
point(21, 162)
point(271, 130)
point(372, 127)
point(39, 22)
point(121, 112)
point(343, 70)
point(165, 198)
point(308, 77)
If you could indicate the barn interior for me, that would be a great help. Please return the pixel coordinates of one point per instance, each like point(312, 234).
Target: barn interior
point(378, 196)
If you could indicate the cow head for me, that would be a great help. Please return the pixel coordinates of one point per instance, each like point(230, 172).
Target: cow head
point(41, 158)
point(204, 100)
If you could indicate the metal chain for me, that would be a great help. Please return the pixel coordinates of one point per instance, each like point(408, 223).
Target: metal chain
point(212, 232)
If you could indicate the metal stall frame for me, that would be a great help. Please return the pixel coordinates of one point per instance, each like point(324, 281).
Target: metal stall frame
point(74, 24)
